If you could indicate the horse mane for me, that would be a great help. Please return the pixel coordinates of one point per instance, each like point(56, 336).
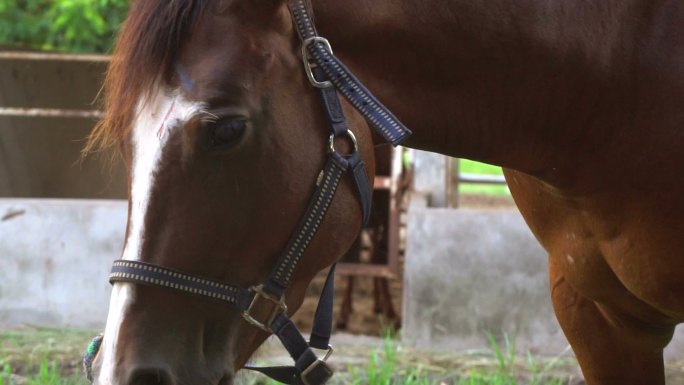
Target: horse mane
point(146, 50)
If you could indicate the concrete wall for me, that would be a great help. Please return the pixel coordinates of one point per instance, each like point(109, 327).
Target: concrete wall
point(56, 256)
point(467, 272)
point(471, 272)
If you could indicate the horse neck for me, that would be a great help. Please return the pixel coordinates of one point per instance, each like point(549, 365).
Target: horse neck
point(506, 82)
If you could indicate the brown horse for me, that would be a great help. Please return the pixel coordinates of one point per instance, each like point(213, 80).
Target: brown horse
point(580, 101)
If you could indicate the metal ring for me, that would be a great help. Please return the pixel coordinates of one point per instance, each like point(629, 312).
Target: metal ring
point(350, 135)
point(307, 64)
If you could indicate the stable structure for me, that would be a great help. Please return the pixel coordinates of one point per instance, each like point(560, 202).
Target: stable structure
point(46, 112)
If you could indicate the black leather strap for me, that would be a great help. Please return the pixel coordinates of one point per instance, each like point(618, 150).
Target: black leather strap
point(321, 329)
point(153, 275)
point(357, 169)
point(338, 127)
point(299, 349)
point(280, 276)
point(380, 117)
point(333, 107)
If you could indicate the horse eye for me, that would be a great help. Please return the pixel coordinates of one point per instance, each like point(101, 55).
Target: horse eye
point(227, 132)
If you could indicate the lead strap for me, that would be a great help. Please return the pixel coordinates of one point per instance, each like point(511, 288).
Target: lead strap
point(308, 368)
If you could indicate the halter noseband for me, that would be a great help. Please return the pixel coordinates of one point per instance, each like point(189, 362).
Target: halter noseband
point(328, 74)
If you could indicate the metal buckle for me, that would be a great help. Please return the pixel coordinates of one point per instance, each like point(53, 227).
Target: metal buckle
point(280, 307)
point(307, 62)
point(351, 136)
point(328, 352)
point(315, 365)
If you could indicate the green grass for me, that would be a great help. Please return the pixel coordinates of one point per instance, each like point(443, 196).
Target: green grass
point(472, 167)
point(47, 373)
point(52, 357)
point(43, 356)
point(5, 374)
point(386, 367)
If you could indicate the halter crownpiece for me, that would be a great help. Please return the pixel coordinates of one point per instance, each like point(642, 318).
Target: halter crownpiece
point(318, 50)
point(328, 74)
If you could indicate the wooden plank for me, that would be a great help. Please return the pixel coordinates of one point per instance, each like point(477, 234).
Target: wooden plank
point(481, 179)
point(48, 81)
point(366, 270)
point(19, 55)
point(49, 113)
point(453, 184)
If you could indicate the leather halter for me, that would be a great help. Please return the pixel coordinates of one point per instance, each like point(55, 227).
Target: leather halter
point(328, 74)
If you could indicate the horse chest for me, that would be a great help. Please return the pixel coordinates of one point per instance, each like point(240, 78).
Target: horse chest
point(620, 266)
point(612, 249)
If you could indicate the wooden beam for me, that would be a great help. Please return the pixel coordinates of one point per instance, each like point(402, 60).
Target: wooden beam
point(365, 269)
point(21, 55)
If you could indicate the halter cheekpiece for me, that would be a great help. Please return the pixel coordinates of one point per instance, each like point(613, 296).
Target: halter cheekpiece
point(329, 75)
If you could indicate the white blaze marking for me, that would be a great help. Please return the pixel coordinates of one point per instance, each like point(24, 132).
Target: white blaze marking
point(166, 111)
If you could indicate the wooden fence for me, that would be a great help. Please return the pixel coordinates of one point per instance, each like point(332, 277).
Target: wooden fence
point(455, 178)
point(47, 109)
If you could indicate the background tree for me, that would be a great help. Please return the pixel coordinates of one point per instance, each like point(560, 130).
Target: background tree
point(61, 25)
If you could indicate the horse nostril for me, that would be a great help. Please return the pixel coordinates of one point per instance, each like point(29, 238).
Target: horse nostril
point(150, 377)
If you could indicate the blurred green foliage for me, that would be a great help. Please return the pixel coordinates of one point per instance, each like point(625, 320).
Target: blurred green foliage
point(61, 25)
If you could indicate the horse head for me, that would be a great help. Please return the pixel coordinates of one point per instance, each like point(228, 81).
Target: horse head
point(224, 139)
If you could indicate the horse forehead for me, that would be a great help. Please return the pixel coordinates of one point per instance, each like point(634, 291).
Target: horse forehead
point(232, 55)
point(164, 113)
point(225, 64)
point(157, 119)
point(164, 109)
point(213, 82)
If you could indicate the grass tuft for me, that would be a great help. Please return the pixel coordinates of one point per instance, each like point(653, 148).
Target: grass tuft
point(48, 373)
point(385, 368)
point(43, 357)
